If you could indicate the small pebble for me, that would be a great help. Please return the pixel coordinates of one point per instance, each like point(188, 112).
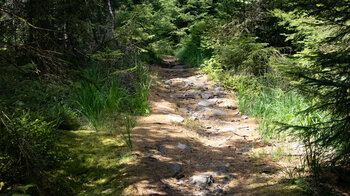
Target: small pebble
point(180, 183)
point(218, 190)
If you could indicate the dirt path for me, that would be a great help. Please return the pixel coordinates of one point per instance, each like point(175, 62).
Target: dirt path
point(195, 141)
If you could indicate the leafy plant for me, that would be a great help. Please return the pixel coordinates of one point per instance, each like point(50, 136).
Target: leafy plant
point(27, 146)
point(129, 124)
point(63, 116)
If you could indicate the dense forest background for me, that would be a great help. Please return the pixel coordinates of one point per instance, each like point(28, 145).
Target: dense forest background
point(67, 65)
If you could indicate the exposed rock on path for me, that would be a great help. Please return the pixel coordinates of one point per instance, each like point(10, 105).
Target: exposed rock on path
point(195, 141)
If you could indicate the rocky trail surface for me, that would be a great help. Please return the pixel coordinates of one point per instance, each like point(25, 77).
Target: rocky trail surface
point(196, 142)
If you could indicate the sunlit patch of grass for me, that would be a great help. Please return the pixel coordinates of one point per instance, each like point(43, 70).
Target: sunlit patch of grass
point(96, 162)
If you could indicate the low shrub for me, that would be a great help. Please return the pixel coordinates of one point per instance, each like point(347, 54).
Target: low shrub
point(27, 147)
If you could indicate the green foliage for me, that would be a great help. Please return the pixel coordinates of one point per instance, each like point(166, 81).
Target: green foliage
point(97, 163)
point(263, 97)
point(233, 81)
point(274, 107)
point(321, 70)
point(190, 55)
point(234, 42)
point(129, 124)
point(27, 146)
point(96, 98)
point(191, 51)
point(100, 96)
point(62, 116)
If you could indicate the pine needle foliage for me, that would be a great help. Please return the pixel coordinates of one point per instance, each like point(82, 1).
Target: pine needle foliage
point(326, 78)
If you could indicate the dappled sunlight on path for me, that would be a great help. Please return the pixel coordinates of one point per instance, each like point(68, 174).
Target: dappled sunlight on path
point(194, 128)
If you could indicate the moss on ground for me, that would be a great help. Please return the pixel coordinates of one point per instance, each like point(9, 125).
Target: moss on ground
point(97, 162)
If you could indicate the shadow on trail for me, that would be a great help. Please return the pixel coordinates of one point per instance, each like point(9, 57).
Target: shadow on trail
point(160, 152)
point(156, 150)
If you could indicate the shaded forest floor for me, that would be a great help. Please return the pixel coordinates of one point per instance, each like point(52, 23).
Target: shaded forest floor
point(196, 130)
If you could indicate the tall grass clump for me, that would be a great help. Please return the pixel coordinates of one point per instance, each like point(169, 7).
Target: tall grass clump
point(268, 97)
point(139, 98)
point(276, 107)
point(101, 95)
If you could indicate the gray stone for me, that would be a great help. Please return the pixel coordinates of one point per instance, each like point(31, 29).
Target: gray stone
point(232, 107)
point(203, 117)
point(243, 127)
point(190, 84)
point(180, 183)
point(175, 169)
point(193, 118)
point(219, 93)
point(213, 100)
point(195, 114)
point(201, 87)
point(212, 132)
point(204, 103)
point(219, 89)
point(186, 110)
point(181, 96)
point(188, 96)
point(202, 180)
point(206, 96)
point(244, 117)
point(191, 94)
point(228, 129)
point(168, 82)
point(194, 93)
point(164, 107)
point(176, 119)
point(218, 112)
point(218, 190)
point(183, 146)
point(206, 110)
point(226, 123)
point(230, 177)
point(173, 70)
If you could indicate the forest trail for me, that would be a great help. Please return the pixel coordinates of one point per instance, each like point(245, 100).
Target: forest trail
point(196, 142)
